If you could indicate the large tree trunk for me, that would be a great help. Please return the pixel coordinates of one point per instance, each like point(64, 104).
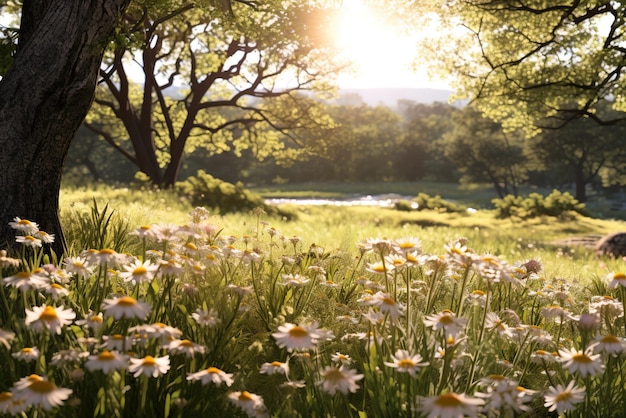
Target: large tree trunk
point(44, 98)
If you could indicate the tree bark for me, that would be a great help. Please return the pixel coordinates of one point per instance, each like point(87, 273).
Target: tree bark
point(44, 98)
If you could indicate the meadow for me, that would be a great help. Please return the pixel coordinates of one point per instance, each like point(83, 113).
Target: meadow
point(161, 309)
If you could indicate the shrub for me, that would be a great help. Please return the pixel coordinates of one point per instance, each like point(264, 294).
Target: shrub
point(210, 192)
point(426, 202)
point(556, 204)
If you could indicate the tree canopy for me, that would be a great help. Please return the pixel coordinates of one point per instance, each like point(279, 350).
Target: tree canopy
point(211, 81)
point(524, 61)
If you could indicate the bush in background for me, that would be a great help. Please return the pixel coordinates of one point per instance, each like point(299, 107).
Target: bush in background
point(556, 204)
point(209, 192)
point(425, 202)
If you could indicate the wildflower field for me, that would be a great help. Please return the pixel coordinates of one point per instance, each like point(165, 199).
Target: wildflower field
point(188, 320)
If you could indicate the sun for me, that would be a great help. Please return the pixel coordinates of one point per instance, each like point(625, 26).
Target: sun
point(381, 53)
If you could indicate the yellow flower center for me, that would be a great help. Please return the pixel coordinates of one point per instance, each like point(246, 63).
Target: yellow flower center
point(276, 364)
point(159, 325)
point(117, 337)
point(609, 339)
point(26, 350)
point(5, 396)
point(126, 301)
point(298, 332)
point(186, 343)
point(148, 361)
point(448, 400)
point(389, 301)
point(139, 271)
point(213, 370)
point(95, 318)
point(48, 314)
point(619, 276)
point(106, 356)
point(496, 377)
point(582, 358)
point(107, 251)
point(406, 363)
point(24, 222)
point(29, 238)
point(563, 397)
point(245, 396)
point(24, 274)
point(446, 320)
point(56, 286)
point(42, 386)
point(478, 293)
point(334, 375)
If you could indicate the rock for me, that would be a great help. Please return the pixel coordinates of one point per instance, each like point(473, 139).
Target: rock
point(613, 245)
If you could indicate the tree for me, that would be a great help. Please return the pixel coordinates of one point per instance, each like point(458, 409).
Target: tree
point(44, 97)
point(417, 156)
point(523, 61)
point(211, 82)
point(482, 151)
point(584, 148)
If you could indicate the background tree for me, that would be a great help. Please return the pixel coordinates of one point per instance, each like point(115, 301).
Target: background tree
point(417, 156)
point(524, 61)
point(583, 149)
point(204, 80)
point(482, 151)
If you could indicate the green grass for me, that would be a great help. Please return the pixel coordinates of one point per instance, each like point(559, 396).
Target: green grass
point(473, 312)
point(343, 227)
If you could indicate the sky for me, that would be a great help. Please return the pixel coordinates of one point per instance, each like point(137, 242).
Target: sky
point(377, 50)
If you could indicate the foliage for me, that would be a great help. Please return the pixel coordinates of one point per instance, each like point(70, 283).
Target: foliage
point(481, 150)
point(207, 191)
point(556, 204)
point(387, 328)
point(99, 228)
point(566, 56)
point(425, 202)
point(211, 81)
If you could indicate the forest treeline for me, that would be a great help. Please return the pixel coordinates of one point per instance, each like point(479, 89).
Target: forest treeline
point(413, 141)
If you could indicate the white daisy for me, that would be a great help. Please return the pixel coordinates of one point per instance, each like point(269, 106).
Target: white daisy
point(447, 321)
point(297, 337)
point(27, 354)
point(125, 307)
point(36, 391)
point(107, 361)
point(139, 272)
point(609, 344)
point(149, 366)
point(24, 225)
point(339, 379)
point(49, 317)
point(586, 363)
point(451, 405)
point(405, 362)
point(25, 280)
point(212, 375)
point(250, 403)
point(209, 318)
point(275, 367)
point(562, 399)
point(189, 348)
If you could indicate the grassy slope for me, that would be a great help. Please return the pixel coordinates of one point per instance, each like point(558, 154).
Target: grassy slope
point(343, 227)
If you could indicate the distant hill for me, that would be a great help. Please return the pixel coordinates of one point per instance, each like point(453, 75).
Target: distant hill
point(390, 96)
